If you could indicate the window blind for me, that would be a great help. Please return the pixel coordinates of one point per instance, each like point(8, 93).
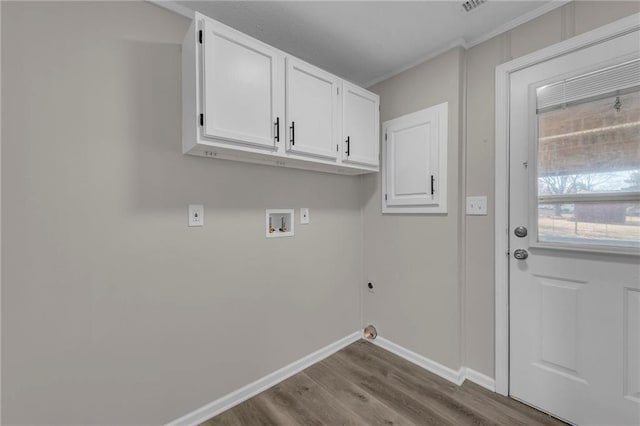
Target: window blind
point(614, 80)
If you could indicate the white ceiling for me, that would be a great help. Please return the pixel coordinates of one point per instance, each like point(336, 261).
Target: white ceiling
point(368, 41)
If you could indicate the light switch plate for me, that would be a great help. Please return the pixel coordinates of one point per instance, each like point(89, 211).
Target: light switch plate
point(477, 205)
point(304, 215)
point(196, 215)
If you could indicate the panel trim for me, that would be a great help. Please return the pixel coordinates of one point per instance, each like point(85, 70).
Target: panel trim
point(234, 398)
point(502, 78)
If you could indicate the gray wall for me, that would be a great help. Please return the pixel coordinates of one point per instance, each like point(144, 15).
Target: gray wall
point(560, 24)
point(425, 297)
point(414, 260)
point(113, 310)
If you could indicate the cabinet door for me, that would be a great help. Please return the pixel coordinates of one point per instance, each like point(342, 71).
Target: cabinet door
point(240, 87)
point(312, 105)
point(414, 166)
point(360, 126)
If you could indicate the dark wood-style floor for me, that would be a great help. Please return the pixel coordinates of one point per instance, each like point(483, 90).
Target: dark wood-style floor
point(365, 385)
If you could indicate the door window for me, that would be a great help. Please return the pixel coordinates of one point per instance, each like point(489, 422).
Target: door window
point(588, 167)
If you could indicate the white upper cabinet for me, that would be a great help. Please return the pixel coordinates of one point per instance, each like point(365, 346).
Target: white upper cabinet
point(240, 87)
point(414, 165)
point(312, 110)
point(244, 100)
point(360, 126)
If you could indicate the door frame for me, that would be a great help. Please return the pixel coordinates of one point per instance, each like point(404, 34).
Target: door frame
point(502, 95)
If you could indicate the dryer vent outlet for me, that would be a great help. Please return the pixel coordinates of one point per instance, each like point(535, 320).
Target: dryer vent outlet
point(370, 332)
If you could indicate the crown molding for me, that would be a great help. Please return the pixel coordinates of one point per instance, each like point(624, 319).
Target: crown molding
point(546, 8)
point(456, 43)
point(174, 7)
point(529, 16)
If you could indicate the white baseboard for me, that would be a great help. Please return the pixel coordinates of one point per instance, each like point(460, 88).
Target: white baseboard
point(234, 398)
point(480, 379)
point(455, 376)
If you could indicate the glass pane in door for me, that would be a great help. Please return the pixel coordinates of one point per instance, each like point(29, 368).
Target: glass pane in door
point(588, 167)
point(602, 224)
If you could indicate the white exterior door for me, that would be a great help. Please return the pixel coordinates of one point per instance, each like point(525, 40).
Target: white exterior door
point(240, 79)
point(312, 110)
point(575, 192)
point(360, 126)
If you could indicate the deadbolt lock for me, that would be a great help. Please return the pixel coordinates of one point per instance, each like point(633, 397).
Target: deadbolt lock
point(520, 232)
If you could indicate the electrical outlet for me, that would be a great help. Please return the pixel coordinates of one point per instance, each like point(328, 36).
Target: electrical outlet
point(196, 215)
point(304, 215)
point(477, 206)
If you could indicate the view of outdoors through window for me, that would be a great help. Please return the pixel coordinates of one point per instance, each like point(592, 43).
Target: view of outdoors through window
point(589, 172)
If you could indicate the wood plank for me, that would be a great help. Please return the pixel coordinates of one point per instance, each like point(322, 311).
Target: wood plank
point(443, 403)
point(285, 401)
point(226, 418)
point(470, 396)
point(379, 387)
point(493, 402)
point(367, 407)
point(311, 403)
point(362, 348)
point(365, 384)
point(258, 411)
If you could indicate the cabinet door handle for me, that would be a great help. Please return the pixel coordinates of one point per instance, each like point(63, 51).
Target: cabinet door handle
point(293, 135)
point(348, 141)
point(277, 129)
point(433, 181)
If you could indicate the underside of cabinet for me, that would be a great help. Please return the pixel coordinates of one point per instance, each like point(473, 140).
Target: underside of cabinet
point(202, 150)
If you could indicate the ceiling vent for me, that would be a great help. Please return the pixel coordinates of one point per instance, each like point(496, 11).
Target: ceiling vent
point(469, 5)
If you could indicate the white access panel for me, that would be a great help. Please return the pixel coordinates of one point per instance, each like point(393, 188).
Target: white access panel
point(414, 163)
point(240, 87)
point(311, 110)
point(360, 126)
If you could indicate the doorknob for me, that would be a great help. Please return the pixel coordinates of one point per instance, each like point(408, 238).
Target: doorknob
point(520, 232)
point(521, 254)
